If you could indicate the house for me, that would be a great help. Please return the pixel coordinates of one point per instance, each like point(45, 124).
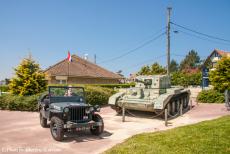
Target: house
point(214, 57)
point(79, 71)
point(210, 64)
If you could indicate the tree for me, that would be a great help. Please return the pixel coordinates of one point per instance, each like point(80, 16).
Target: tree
point(173, 67)
point(29, 79)
point(157, 69)
point(145, 70)
point(220, 77)
point(192, 60)
point(7, 81)
point(152, 70)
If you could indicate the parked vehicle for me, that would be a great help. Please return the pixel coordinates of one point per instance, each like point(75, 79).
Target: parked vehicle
point(67, 110)
point(151, 93)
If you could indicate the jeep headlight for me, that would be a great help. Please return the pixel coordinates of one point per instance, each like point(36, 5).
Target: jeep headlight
point(97, 108)
point(57, 107)
point(89, 110)
point(66, 110)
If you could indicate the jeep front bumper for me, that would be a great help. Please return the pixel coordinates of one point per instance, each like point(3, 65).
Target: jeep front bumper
point(90, 124)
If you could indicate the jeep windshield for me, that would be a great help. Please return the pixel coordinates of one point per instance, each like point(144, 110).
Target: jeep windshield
point(66, 94)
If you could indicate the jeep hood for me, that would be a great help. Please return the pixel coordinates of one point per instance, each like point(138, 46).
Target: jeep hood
point(62, 105)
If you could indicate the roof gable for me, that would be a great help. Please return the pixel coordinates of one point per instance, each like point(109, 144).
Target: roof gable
point(79, 68)
point(219, 52)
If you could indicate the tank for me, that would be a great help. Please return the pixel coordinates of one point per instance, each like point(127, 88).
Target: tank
point(153, 94)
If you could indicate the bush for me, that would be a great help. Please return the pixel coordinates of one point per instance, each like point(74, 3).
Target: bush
point(210, 96)
point(97, 95)
point(94, 96)
point(112, 86)
point(4, 88)
point(19, 103)
point(185, 79)
point(220, 77)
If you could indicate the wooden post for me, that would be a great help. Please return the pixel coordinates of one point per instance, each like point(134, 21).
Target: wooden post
point(190, 104)
point(181, 107)
point(123, 112)
point(226, 96)
point(166, 117)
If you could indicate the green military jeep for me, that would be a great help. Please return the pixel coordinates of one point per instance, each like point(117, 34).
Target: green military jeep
point(67, 111)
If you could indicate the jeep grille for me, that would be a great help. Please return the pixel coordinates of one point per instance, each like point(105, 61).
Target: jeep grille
point(78, 114)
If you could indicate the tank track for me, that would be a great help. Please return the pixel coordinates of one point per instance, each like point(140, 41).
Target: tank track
point(173, 105)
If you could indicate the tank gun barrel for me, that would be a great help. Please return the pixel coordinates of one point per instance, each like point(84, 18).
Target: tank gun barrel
point(145, 82)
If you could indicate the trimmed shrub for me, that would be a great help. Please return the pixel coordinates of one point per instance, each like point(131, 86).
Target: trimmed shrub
point(19, 103)
point(125, 85)
point(94, 96)
point(185, 79)
point(4, 88)
point(210, 96)
point(111, 86)
point(97, 95)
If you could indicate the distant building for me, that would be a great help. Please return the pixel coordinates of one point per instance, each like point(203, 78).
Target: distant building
point(210, 64)
point(214, 57)
point(80, 71)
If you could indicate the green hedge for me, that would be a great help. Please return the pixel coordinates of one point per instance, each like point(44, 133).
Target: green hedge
point(210, 96)
point(185, 79)
point(94, 96)
point(4, 88)
point(98, 95)
point(111, 86)
point(126, 85)
point(21, 103)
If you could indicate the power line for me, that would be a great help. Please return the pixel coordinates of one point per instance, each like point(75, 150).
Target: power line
point(144, 62)
point(205, 39)
point(133, 50)
point(178, 55)
point(206, 35)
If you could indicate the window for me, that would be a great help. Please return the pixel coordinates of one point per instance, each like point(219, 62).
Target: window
point(61, 81)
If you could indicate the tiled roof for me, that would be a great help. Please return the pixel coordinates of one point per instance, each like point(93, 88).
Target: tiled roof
point(80, 68)
point(222, 53)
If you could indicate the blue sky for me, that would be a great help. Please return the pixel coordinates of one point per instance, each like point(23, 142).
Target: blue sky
point(107, 28)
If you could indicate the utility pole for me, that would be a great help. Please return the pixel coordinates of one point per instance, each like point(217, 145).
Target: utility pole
point(95, 59)
point(168, 39)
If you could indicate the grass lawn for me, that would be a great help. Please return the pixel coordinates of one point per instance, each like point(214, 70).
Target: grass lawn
point(209, 137)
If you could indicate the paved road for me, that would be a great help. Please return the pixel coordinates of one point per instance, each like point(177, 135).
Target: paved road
point(20, 131)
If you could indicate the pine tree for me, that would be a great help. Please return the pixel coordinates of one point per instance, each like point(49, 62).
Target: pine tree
point(173, 67)
point(191, 60)
point(29, 79)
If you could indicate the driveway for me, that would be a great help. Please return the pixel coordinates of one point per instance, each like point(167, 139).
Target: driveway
point(21, 132)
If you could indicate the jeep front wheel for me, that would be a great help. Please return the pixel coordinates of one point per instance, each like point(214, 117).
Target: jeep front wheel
point(56, 128)
point(43, 121)
point(97, 130)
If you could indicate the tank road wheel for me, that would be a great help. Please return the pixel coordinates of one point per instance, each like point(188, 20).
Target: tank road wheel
point(117, 109)
point(56, 128)
point(97, 130)
point(174, 107)
point(185, 101)
point(43, 121)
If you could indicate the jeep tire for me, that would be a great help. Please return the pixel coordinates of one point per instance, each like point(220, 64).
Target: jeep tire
point(97, 130)
point(43, 121)
point(56, 128)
